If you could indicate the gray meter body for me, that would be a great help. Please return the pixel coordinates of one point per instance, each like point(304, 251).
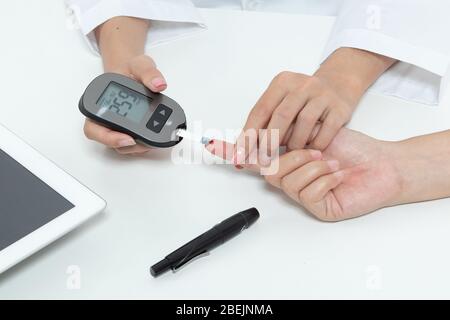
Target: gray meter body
point(123, 104)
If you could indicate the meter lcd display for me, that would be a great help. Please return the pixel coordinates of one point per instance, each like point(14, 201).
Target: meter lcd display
point(124, 102)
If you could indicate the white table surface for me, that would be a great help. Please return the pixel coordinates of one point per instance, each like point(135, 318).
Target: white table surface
point(154, 206)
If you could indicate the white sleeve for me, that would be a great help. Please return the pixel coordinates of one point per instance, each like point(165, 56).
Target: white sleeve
point(414, 32)
point(171, 18)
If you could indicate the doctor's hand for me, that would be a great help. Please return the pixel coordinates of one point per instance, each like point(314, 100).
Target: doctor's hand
point(121, 41)
point(300, 101)
point(354, 175)
point(294, 103)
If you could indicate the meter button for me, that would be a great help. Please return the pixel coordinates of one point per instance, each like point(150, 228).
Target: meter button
point(155, 125)
point(163, 112)
point(159, 118)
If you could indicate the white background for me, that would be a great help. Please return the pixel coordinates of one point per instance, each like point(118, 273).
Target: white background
point(155, 206)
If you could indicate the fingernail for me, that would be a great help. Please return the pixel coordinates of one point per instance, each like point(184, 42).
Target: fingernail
point(333, 164)
point(210, 146)
point(126, 143)
point(159, 82)
point(316, 154)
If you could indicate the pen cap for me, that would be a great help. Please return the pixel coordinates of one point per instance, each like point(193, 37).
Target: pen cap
point(250, 216)
point(160, 267)
point(232, 226)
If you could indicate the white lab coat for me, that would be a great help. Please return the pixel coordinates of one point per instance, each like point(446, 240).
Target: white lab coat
point(415, 32)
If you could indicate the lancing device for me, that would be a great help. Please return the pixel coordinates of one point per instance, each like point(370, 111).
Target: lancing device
point(125, 105)
point(212, 238)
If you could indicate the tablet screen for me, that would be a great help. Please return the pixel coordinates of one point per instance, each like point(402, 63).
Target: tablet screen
point(26, 202)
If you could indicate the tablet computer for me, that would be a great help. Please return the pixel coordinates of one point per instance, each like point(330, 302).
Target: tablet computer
point(39, 202)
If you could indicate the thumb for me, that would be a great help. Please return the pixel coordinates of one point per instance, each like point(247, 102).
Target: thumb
point(143, 68)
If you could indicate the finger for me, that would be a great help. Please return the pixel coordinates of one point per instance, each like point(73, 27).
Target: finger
point(287, 136)
point(246, 144)
point(136, 149)
point(296, 181)
point(313, 134)
point(333, 122)
point(305, 123)
point(261, 113)
point(225, 150)
point(144, 70)
point(221, 149)
point(281, 120)
point(108, 137)
point(318, 189)
point(291, 161)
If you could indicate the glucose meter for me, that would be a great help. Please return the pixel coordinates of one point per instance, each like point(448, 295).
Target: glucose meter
point(123, 104)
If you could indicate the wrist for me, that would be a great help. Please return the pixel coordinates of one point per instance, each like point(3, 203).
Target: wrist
point(352, 71)
point(120, 39)
point(415, 172)
point(420, 167)
point(384, 160)
point(347, 86)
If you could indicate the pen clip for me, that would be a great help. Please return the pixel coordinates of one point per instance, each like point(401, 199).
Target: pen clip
point(181, 265)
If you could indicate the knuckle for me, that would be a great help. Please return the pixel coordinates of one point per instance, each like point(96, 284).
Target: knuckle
point(298, 95)
point(135, 63)
point(319, 144)
point(144, 59)
point(148, 73)
point(143, 66)
point(261, 110)
point(334, 122)
point(307, 117)
point(293, 144)
point(300, 154)
point(284, 184)
point(345, 114)
point(340, 108)
point(311, 82)
point(283, 77)
point(283, 113)
point(322, 100)
point(303, 197)
point(317, 169)
point(287, 186)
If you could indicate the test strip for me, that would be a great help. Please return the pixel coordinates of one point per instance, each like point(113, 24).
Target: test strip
point(192, 137)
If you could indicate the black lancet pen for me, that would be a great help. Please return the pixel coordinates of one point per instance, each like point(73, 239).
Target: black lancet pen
point(212, 238)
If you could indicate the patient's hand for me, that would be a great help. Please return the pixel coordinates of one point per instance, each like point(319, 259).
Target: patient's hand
point(354, 175)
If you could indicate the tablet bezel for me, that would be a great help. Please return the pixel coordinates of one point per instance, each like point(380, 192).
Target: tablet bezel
point(86, 202)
